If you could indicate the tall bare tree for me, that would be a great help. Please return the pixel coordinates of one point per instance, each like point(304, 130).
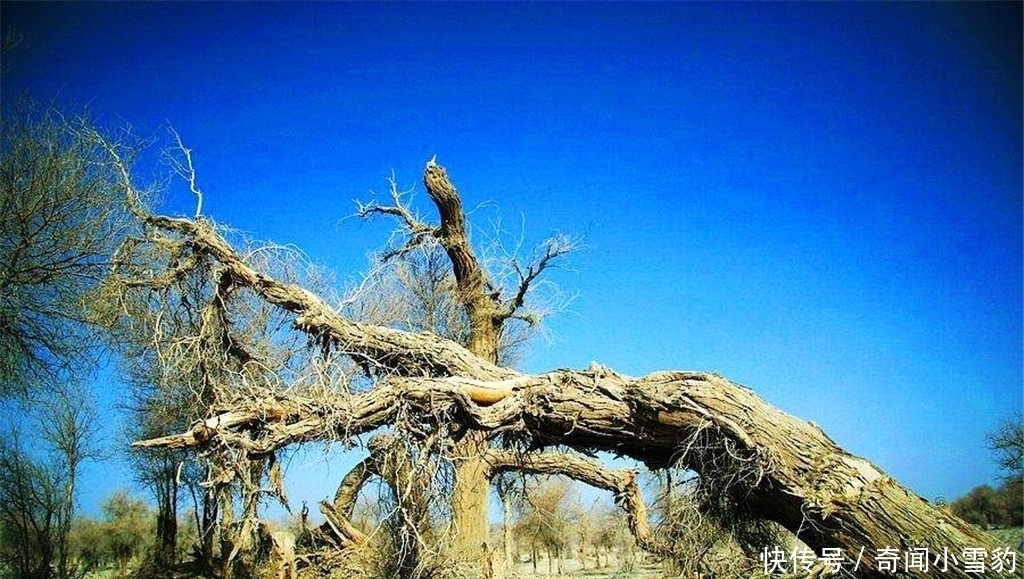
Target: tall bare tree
point(1007, 442)
point(489, 313)
point(30, 508)
point(38, 483)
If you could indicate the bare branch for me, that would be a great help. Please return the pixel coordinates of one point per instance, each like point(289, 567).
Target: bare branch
point(549, 253)
point(417, 231)
point(186, 170)
point(61, 218)
point(395, 349)
point(1007, 442)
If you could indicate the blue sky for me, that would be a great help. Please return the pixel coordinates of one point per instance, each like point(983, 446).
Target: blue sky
point(820, 201)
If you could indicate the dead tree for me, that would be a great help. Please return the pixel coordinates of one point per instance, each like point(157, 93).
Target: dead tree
point(770, 463)
point(487, 312)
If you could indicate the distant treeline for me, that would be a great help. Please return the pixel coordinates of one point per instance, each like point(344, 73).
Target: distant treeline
point(993, 508)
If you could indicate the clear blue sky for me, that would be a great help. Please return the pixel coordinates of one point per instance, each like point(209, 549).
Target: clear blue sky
point(820, 201)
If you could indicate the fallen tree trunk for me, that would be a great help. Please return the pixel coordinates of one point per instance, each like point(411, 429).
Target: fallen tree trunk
point(773, 464)
point(769, 463)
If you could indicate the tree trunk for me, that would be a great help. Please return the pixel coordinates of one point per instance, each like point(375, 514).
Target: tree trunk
point(470, 496)
point(471, 492)
point(167, 515)
point(506, 531)
point(770, 463)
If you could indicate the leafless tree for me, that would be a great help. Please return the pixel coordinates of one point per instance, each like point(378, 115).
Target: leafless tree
point(70, 427)
point(29, 509)
point(544, 519)
point(1007, 442)
point(460, 414)
point(461, 299)
point(61, 216)
point(38, 484)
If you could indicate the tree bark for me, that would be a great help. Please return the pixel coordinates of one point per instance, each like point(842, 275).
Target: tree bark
point(470, 497)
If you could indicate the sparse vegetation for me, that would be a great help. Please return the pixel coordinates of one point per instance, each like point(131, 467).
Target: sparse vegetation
point(993, 508)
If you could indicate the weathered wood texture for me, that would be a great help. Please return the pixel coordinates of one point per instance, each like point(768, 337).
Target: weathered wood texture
point(786, 469)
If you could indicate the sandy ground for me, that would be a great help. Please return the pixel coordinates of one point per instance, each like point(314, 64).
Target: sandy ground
point(573, 568)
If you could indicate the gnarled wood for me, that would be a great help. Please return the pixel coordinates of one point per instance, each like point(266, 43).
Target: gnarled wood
point(774, 464)
point(397, 351)
point(470, 491)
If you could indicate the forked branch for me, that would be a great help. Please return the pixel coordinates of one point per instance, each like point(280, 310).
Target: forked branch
point(551, 251)
point(417, 231)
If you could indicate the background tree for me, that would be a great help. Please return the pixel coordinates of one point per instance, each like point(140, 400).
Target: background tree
point(544, 520)
point(88, 537)
point(70, 428)
point(510, 492)
point(38, 483)
point(611, 538)
point(156, 402)
point(30, 508)
point(128, 524)
point(61, 217)
point(1000, 507)
point(1007, 443)
point(978, 507)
